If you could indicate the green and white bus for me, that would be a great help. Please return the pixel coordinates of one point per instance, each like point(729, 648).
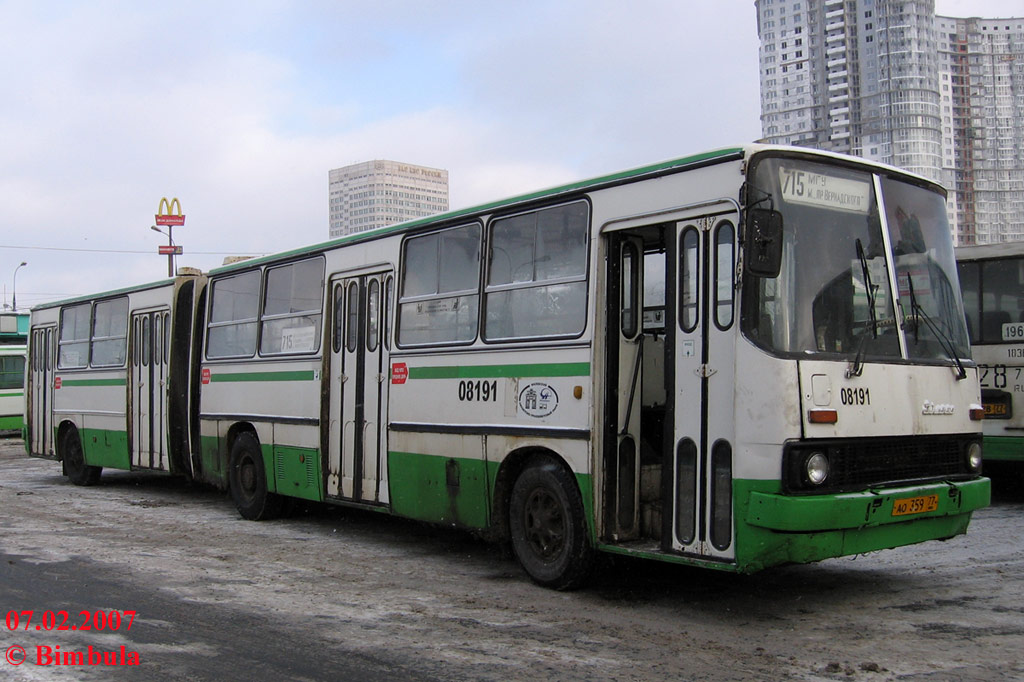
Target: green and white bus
point(12, 388)
point(13, 334)
point(737, 359)
point(992, 282)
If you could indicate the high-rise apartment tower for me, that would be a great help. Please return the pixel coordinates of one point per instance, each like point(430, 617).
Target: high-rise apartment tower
point(888, 80)
point(378, 193)
point(981, 67)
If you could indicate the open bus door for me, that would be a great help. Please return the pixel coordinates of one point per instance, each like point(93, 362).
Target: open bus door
point(702, 378)
point(667, 457)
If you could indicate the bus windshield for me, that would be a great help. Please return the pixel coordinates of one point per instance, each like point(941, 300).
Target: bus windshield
point(834, 294)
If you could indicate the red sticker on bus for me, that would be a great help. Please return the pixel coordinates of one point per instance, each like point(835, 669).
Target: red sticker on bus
point(399, 373)
point(56, 384)
point(206, 375)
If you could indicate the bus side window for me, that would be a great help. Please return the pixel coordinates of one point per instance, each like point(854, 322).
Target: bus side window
point(110, 333)
point(439, 292)
point(74, 336)
point(537, 274)
point(291, 314)
point(12, 371)
point(234, 310)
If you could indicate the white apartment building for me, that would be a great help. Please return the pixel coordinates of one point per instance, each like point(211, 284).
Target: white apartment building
point(890, 81)
point(379, 193)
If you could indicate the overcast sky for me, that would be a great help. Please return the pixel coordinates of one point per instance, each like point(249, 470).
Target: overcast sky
point(239, 109)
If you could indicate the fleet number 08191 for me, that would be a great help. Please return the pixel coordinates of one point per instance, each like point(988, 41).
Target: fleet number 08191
point(478, 391)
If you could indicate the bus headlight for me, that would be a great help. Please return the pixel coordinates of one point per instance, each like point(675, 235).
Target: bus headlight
point(817, 468)
point(974, 457)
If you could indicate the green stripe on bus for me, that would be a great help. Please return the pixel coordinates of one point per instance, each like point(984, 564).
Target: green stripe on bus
point(298, 375)
point(11, 423)
point(92, 382)
point(560, 369)
point(1003, 448)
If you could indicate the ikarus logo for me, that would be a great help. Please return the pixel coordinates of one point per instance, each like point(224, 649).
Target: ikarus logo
point(937, 408)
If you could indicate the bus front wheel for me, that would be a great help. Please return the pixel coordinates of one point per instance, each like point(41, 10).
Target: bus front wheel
point(247, 480)
point(75, 468)
point(546, 522)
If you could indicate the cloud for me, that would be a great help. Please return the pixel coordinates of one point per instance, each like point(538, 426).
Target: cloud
point(240, 109)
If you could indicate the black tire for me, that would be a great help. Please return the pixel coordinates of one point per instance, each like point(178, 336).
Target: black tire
point(546, 522)
point(75, 468)
point(247, 480)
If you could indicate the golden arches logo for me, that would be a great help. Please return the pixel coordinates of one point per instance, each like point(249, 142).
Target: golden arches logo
point(169, 212)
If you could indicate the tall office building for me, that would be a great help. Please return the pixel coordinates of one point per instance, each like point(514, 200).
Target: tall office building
point(378, 193)
point(889, 81)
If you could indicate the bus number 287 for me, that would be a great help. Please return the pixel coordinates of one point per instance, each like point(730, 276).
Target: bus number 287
point(478, 391)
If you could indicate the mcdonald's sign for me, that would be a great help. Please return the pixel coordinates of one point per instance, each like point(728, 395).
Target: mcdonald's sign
point(169, 212)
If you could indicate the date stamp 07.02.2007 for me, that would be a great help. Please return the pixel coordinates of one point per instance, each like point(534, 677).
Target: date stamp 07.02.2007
point(62, 621)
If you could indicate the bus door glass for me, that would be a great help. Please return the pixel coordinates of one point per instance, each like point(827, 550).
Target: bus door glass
point(702, 396)
point(42, 366)
point(357, 453)
point(148, 383)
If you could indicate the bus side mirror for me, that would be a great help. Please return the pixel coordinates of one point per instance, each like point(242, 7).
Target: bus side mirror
point(763, 242)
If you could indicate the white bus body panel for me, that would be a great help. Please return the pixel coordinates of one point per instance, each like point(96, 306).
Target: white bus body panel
point(888, 399)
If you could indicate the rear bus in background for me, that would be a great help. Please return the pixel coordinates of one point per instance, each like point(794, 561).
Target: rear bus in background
point(13, 335)
point(992, 282)
point(736, 360)
point(12, 388)
point(108, 380)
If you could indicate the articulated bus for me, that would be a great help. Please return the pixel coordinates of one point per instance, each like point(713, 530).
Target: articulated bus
point(992, 282)
point(739, 359)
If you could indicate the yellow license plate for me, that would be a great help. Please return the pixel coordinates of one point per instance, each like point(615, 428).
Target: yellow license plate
point(995, 409)
point(915, 505)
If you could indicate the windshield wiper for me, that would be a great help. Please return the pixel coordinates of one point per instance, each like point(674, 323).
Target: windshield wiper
point(869, 288)
point(856, 367)
point(944, 341)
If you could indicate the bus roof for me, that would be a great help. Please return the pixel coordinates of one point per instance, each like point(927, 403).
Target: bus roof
point(989, 251)
point(631, 175)
point(716, 156)
point(621, 177)
point(105, 294)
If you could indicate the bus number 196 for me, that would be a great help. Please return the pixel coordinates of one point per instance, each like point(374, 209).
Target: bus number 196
point(478, 391)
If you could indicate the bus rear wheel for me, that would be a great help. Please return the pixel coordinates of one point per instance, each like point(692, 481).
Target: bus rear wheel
point(247, 480)
point(75, 468)
point(546, 522)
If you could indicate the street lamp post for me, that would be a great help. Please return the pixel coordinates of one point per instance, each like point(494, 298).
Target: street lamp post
point(170, 242)
point(14, 287)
